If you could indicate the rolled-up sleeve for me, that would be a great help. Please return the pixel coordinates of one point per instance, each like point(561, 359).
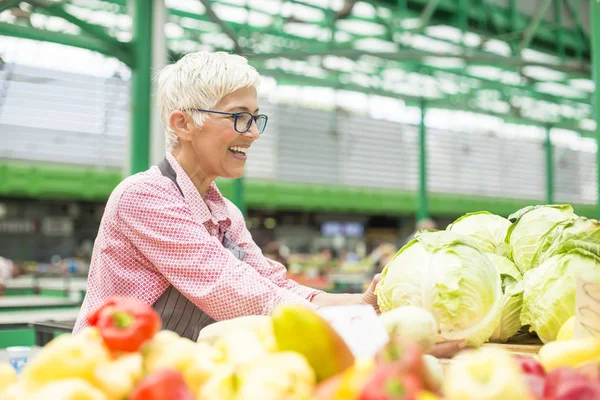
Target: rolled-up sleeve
point(162, 228)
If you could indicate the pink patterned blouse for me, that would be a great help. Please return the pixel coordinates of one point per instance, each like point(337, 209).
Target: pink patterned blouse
point(191, 258)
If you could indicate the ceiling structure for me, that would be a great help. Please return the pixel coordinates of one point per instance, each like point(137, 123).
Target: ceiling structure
point(524, 62)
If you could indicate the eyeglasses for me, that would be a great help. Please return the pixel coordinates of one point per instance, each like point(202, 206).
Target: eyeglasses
point(242, 121)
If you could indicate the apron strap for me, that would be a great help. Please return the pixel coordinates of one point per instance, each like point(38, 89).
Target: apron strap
point(166, 170)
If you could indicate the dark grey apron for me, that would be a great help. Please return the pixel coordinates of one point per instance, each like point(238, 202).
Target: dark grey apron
point(178, 313)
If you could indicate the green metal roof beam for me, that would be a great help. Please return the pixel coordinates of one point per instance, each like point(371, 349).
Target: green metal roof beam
point(228, 31)
point(574, 11)
point(492, 16)
point(485, 59)
point(324, 24)
point(7, 4)
point(558, 18)
point(426, 14)
point(79, 41)
point(120, 49)
point(542, 40)
point(414, 55)
point(540, 11)
point(410, 100)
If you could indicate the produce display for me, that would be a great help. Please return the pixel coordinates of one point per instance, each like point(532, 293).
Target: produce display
point(486, 277)
point(293, 354)
point(483, 279)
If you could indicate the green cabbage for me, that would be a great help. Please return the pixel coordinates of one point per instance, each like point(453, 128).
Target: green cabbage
point(512, 300)
point(486, 229)
point(549, 291)
point(578, 233)
point(446, 274)
point(533, 227)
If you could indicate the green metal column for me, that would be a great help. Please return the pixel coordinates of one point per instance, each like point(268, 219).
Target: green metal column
point(549, 167)
point(141, 84)
point(422, 211)
point(595, 39)
point(560, 43)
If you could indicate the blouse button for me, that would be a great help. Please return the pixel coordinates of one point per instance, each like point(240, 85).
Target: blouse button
point(214, 231)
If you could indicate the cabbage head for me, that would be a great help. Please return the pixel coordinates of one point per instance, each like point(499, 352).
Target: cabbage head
point(577, 233)
point(532, 226)
point(549, 291)
point(512, 300)
point(487, 230)
point(446, 274)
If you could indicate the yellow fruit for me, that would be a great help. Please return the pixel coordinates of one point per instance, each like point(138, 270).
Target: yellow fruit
point(221, 385)
point(354, 379)
point(15, 391)
point(65, 357)
point(427, 396)
point(241, 348)
point(485, 374)
point(195, 361)
point(8, 375)
point(168, 350)
point(68, 389)
point(261, 325)
point(285, 375)
point(205, 361)
point(117, 378)
point(569, 353)
point(566, 331)
point(300, 329)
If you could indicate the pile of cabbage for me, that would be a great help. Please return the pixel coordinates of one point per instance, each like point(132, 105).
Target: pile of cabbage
point(485, 276)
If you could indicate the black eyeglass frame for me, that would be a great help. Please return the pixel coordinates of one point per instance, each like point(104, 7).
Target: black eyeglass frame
point(237, 115)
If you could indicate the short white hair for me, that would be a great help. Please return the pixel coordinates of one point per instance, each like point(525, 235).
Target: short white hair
point(200, 80)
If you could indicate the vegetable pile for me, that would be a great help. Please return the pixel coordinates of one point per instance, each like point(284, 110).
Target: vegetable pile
point(485, 277)
point(294, 354)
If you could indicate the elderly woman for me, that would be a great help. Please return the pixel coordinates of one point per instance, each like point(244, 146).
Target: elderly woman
point(169, 238)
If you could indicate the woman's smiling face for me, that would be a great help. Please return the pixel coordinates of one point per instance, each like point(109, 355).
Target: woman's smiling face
point(219, 149)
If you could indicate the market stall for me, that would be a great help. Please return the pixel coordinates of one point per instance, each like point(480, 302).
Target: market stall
point(518, 297)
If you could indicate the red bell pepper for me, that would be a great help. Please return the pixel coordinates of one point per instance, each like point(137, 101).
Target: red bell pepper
point(529, 366)
point(390, 382)
point(162, 385)
point(568, 384)
point(125, 324)
point(534, 375)
point(536, 385)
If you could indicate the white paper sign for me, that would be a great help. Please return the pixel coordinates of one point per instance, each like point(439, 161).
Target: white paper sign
point(587, 310)
point(359, 326)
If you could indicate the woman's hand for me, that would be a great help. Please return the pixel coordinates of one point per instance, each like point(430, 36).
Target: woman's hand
point(369, 296)
point(447, 349)
point(331, 299)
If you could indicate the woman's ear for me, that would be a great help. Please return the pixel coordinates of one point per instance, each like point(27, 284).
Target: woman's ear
point(182, 124)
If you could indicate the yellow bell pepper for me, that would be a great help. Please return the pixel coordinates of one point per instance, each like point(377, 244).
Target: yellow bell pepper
point(8, 375)
point(65, 357)
point(485, 374)
point(68, 389)
point(117, 378)
point(242, 347)
point(566, 330)
point(168, 349)
point(222, 384)
point(16, 391)
point(569, 353)
point(196, 361)
point(204, 362)
point(280, 376)
point(427, 396)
